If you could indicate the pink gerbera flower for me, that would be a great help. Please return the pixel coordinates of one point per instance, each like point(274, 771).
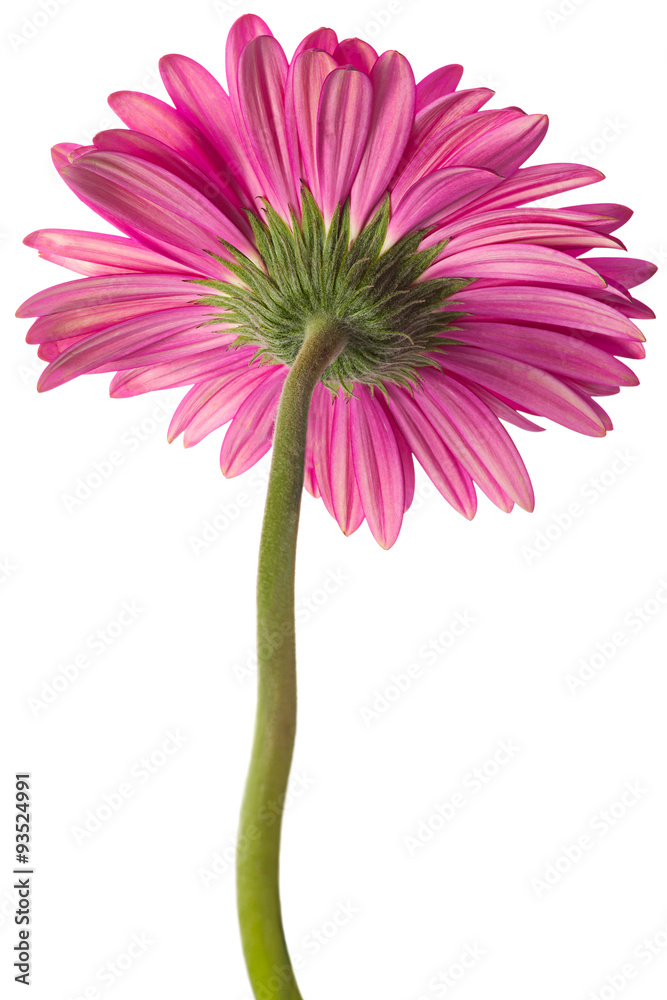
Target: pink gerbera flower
point(333, 186)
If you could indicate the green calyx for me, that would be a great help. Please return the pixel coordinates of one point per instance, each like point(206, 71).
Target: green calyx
point(311, 275)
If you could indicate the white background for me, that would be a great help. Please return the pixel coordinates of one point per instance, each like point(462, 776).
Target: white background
point(405, 915)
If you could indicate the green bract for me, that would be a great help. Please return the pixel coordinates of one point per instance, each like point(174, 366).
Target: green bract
point(313, 274)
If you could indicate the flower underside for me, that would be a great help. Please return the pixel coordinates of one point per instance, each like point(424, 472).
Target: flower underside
point(392, 321)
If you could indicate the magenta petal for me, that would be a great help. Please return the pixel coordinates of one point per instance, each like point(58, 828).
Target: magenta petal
point(317, 477)
point(531, 183)
point(251, 431)
point(391, 121)
point(627, 271)
point(306, 78)
point(433, 119)
point(432, 452)
point(198, 95)
point(262, 77)
point(345, 497)
point(324, 39)
point(437, 84)
point(434, 196)
point(154, 201)
point(511, 262)
point(153, 151)
point(205, 364)
point(524, 387)
point(378, 467)
point(79, 322)
point(91, 292)
point(102, 248)
point(552, 306)
point(356, 52)
point(210, 405)
point(479, 441)
point(243, 30)
point(616, 215)
point(343, 121)
point(558, 353)
point(147, 115)
point(110, 348)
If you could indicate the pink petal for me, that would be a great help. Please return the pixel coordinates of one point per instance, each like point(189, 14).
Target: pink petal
point(558, 353)
point(432, 452)
point(378, 467)
point(391, 121)
point(79, 322)
point(306, 77)
point(551, 306)
point(110, 348)
point(346, 502)
point(617, 215)
point(437, 84)
point(324, 39)
point(434, 118)
point(627, 271)
point(434, 196)
point(101, 248)
point(501, 409)
point(198, 95)
point(261, 79)
point(91, 292)
point(563, 237)
point(251, 431)
point(531, 183)
point(450, 146)
point(479, 441)
point(243, 30)
point(524, 386)
point(154, 201)
point(343, 122)
point(317, 479)
point(153, 151)
point(209, 405)
point(511, 262)
point(191, 260)
point(203, 365)
point(356, 52)
point(152, 117)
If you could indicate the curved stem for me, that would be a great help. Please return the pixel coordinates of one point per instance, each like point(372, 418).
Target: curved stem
point(269, 966)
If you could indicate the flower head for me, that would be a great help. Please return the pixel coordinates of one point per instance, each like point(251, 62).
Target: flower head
point(335, 186)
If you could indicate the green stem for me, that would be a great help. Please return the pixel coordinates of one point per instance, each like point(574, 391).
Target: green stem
point(269, 966)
